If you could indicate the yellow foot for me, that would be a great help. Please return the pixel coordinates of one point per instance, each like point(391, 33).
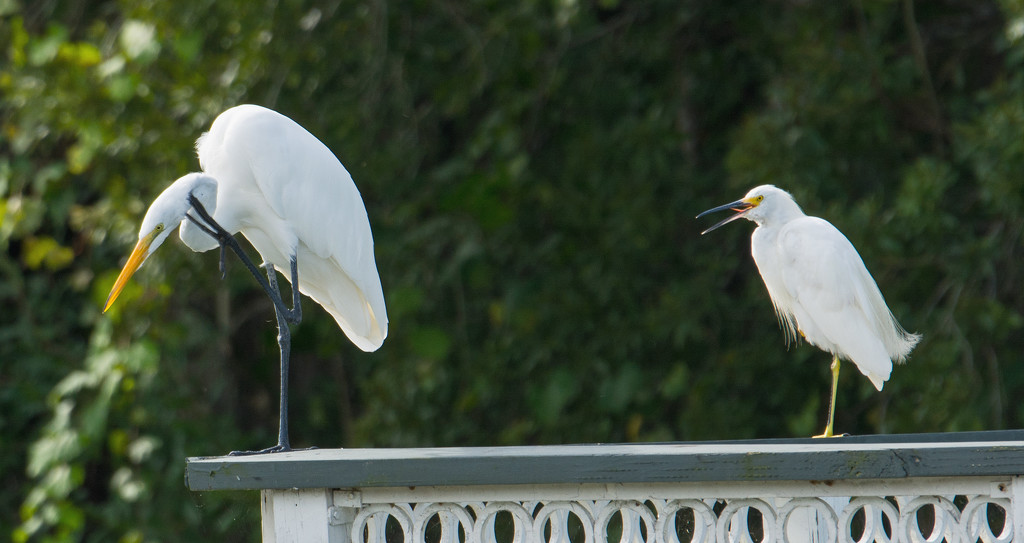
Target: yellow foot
point(828, 433)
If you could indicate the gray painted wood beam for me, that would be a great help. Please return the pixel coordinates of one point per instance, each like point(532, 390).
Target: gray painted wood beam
point(849, 458)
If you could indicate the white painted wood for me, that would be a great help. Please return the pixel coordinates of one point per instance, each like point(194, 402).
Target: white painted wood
point(302, 516)
point(620, 502)
point(339, 520)
point(1017, 507)
point(294, 516)
point(988, 486)
point(267, 516)
point(808, 520)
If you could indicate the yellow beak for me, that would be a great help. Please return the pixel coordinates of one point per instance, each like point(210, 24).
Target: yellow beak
point(135, 260)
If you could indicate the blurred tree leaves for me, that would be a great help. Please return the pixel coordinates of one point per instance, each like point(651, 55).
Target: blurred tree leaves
point(531, 170)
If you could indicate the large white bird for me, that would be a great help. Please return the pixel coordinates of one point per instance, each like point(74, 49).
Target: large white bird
point(820, 288)
point(265, 176)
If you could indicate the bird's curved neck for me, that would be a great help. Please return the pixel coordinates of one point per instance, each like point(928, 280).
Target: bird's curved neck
point(203, 188)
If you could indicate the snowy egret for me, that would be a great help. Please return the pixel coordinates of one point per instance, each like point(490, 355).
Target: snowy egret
point(265, 176)
point(820, 287)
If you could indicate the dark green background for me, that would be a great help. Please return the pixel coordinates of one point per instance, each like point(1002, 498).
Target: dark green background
point(531, 170)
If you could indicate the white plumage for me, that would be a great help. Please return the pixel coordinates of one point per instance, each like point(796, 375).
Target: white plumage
point(268, 178)
point(300, 200)
point(819, 285)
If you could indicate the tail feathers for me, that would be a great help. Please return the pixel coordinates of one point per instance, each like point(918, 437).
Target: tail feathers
point(370, 334)
point(877, 380)
point(872, 360)
point(869, 353)
point(899, 342)
point(364, 321)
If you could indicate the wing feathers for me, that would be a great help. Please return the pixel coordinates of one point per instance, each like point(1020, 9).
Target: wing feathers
point(834, 300)
point(302, 201)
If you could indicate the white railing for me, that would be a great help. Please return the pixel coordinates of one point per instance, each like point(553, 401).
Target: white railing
point(852, 490)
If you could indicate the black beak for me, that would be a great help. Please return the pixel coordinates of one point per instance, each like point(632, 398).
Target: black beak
point(739, 206)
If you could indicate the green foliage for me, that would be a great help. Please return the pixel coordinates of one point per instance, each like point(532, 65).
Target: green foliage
point(531, 170)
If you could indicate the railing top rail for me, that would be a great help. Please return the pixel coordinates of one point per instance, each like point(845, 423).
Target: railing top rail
point(995, 453)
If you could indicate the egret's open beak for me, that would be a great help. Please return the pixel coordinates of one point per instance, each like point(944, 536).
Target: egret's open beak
point(135, 260)
point(739, 206)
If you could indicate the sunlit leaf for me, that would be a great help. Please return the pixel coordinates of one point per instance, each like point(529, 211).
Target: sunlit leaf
point(138, 39)
point(45, 251)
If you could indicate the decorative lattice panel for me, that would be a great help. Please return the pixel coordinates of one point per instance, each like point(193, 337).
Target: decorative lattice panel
point(860, 519)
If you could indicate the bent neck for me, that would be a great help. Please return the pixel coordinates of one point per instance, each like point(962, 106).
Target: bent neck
point(204, 189)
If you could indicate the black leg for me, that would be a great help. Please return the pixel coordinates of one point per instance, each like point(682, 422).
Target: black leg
point(284, 342)
point(208, 225)
point(284, 315)
point(295, 315)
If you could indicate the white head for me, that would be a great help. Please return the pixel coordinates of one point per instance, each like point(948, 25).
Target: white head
point(766, 204)
point(165, 213)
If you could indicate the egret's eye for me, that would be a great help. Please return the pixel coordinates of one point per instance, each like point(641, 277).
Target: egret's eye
point(159, 227)
point(759, 198)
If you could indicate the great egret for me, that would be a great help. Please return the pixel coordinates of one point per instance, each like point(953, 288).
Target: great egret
point(820, 287)
point(268, 178)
